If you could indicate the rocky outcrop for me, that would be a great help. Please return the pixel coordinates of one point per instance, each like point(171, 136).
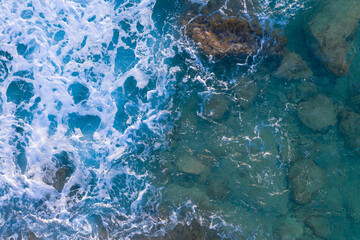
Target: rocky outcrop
point(305, 179)
point(331, 29)
point(221, 37)
point(292, 67)
point(317, 113)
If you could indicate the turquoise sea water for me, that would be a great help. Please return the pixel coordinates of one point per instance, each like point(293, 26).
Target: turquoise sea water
point(115, 123)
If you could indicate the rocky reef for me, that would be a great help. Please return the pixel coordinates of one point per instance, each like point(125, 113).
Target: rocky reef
point(331, 30)
point(217, 36)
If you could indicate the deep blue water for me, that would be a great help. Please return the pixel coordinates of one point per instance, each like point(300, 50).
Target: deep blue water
point(116, 124)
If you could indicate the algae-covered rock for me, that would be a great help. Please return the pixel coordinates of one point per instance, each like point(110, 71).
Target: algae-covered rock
point(245, 92)
point(216, 106)
point(332, 28)
point(305, 178)
point(292, 67)
point(221, 37)
point(288, 228)
point(317, 113)
point(319, 225)
point(190, 164)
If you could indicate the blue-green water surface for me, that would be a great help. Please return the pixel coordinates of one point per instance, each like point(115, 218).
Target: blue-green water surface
point(116, 122)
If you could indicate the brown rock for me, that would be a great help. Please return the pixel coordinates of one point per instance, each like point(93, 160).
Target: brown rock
point(221, 37)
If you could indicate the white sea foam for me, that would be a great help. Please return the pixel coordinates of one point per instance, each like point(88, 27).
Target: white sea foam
point(63, 38)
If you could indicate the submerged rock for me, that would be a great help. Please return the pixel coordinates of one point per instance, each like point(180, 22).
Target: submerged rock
point(353, 205)
point(216, 106)
point(319, 225)
point(354, 102)
point(177, 195)
point(317, 113)
point(292, 67)
point(217, 190)
point(350, 127)
point(305, 178)
point(221, 37)
point(306, 90)
point(245, 92)
point(288, 228)
point(190, 164)
point(332, 28)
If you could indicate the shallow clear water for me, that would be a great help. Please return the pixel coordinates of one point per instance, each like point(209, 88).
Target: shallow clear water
point(114, 124)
